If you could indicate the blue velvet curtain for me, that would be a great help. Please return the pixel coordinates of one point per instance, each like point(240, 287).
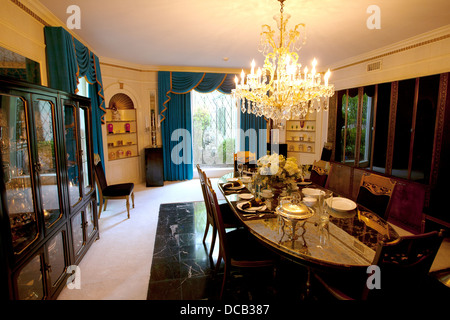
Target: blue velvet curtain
point(176, 120)
point(253, 134)
point(67, 60)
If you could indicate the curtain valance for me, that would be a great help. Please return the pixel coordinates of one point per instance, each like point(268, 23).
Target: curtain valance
point(67, 60)
point(184, 82)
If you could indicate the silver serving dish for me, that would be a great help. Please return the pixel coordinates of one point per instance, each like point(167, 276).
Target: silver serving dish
point(294, 211)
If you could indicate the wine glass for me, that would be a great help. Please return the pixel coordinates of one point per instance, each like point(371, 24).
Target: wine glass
point(240, 169)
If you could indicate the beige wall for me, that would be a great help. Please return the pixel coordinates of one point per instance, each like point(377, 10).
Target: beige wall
point(422, 55)
point(138, 85)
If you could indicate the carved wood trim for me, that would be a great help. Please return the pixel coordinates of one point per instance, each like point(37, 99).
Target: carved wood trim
point(374, 125)
point(439, 128)
point(359, 125)
point(391, 131)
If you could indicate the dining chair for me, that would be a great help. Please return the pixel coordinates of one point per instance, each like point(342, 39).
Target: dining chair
point(404, 266)
point(319, 172)
point(339, 179)
point(375, 193)
point(406, 207)
point(238, 248)
point(230, 220)
point(114, 191)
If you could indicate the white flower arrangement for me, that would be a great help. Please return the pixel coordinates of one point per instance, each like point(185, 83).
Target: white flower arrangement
point(276, 169)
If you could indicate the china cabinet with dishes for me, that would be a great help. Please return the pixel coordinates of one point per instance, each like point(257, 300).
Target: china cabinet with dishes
point(121, 128)
point(48, 214)
point(301, 134)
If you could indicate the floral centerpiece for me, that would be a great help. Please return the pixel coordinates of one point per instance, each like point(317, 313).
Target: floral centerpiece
point(278, 172)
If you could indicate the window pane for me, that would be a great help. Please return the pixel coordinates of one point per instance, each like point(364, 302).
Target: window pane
point(352, 115)
point(425, 123)
point(382, 127)
point(403, 125)
point(214, 128)
point(366, 126)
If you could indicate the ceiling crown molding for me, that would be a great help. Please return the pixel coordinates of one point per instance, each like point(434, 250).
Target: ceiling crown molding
point(436, 35)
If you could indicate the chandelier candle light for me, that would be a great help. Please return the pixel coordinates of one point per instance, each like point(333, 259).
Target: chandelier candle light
point(280, 90)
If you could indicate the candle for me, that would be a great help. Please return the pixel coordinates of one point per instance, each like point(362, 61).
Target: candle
point(327, 75)
point(253, 66)
point(242, 77)
point(236, 80)
point(314, 63)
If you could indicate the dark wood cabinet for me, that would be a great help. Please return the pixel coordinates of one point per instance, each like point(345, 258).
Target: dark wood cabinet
point(154, 167)
point(46, 188)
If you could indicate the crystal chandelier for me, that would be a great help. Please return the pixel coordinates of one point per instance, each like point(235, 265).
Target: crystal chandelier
point(281, 90)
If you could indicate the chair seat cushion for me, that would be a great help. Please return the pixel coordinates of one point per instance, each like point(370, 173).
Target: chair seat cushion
point(244, 247)
point(118, 190)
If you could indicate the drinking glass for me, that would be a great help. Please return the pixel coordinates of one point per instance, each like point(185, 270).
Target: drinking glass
point(240, 169)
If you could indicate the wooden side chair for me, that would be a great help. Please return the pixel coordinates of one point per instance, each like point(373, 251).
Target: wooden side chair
point(230, 220)
point(339, 179)
point(375, 193)
point(114, 191)
point(406, 207)
point(319, 172)
point(238, 248)
point(404, 267)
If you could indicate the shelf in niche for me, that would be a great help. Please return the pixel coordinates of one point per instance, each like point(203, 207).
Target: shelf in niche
point(120, 133)
point(302, 151)
point(300, 141)
point(112, 121)
point(125, 145)
point(300, 130)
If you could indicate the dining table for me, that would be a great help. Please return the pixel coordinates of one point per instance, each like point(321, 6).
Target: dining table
point(351, 238)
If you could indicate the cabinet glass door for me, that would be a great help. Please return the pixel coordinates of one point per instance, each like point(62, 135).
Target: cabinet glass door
point(30, 280)
point(84, 136)
point(56, 259)
point(46, 168)
point(70, 136)
point(16, 172)
point(77, 232)
point(90, 220)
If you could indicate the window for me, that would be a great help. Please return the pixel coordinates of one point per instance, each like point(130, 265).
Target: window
point(214, 126)
point(355, 120)
point(83, 87)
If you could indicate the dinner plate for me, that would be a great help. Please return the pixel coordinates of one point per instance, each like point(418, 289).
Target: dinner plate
point(246, 196)
point(232, 179)
point(236, 188)
point(341, 204)
point(251, 209)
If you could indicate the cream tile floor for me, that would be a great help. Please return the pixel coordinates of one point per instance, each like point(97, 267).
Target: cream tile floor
point(117, 266)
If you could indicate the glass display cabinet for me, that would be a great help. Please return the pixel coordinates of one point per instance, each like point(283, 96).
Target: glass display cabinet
point(48, 215)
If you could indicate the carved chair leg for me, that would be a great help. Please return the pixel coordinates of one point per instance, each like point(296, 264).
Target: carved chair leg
point(132, 198)
point(106, 202)
point(100, 206)
point(128, 206)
